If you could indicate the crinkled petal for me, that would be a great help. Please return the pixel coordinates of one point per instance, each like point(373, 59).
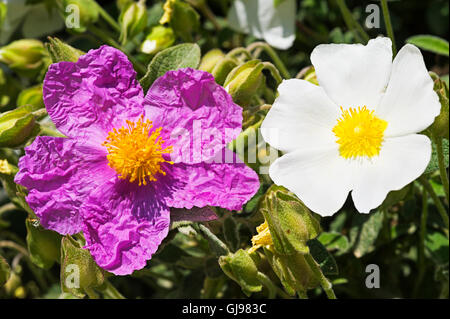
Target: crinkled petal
point(59, 174)
point(124, 223)
point(401, 161)
point(410, 103)
point(93, 95)
point(302, 116)
point(319, 177)
point(263, 20)
point(353, 74)
point(197, 116)
point(228, 184)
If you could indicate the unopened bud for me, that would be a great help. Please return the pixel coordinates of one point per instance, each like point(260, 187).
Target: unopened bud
point(440, 127)
point(159, 39)
point(210, 60)
point(133, 20)
point(25, 54)
point(183, 19)
point(17, 126)
point(243, 81)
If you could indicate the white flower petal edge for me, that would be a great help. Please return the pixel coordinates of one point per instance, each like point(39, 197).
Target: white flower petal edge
point(353, 74)
point(307, 116)
point(410, 104)
point(319, 177)
point(262, 20)
point(401, 161)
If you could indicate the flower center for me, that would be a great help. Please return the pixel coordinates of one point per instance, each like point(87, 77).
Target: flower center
point(135, 153)
point(359, 133)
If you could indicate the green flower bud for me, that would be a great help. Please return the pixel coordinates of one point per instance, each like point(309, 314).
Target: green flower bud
point(133, 20)
point(159, 39)
point(60, 51)
point(121, 4)
point(440, 127)
point(241, 268)
point(243, 81)
point(79, 14)
point(292, 270)
point(210, 60)
point(31, 96)
point(222, 69)
point(44, 245)
point(290, 222)
point(25, 54)
point(79, 272)
point(183, 19)
point(17, 126)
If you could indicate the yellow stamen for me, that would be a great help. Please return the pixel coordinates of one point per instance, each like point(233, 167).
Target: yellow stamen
point(263, 238)
point(135, 153)
point(359, 133)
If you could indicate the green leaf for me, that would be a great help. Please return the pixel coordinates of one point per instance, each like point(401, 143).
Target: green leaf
point(437, 245)
point(434, 162)
point(4, 271)
point(364, 232)
point(430, 43)
point(44, 245)
point(334, 241)
point(186, 55)
point(321, 255)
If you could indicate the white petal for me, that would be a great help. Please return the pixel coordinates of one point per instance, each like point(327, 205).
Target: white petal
point(409, 104)
point(352, 74)
point(301, 117)
point(261, 19)
point(401, 161)
point(319, 177)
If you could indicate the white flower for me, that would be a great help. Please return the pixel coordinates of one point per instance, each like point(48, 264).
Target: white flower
point(357, 130)
point(264, 20)
point(35, 20)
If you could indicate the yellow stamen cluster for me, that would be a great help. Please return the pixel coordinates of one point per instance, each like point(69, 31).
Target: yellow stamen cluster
point(263, 238)
point(135, 153)
point(359, 133)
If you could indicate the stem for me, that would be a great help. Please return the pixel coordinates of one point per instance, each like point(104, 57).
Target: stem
point(111, 292)
point(105, 15)
point(239, 51)
point(324, 282)
point(422, 234)
point(387, 21)
point(274, 71)
point(206, 11)
point(273, 55)
point(271, 287)
point(351, 22)
point(440, 207)
point(13, 245)
point(220, 248)
point(442, 168)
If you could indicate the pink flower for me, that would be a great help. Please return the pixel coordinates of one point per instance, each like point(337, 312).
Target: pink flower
point(128, 159)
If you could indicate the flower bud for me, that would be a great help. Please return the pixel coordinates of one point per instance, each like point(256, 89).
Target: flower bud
point(290, 222)
point(241, 268)
point(210, 60)
point(159, 39)
point(183, 19)
point(440, 127)
point(222, 69)
point(60, 51)
point(31, 96)
point(17, 126)
point(243, 81)
point(79, 14)
point(25, 54)
point(133, 20)
point(77, 262)
point(121, 4)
